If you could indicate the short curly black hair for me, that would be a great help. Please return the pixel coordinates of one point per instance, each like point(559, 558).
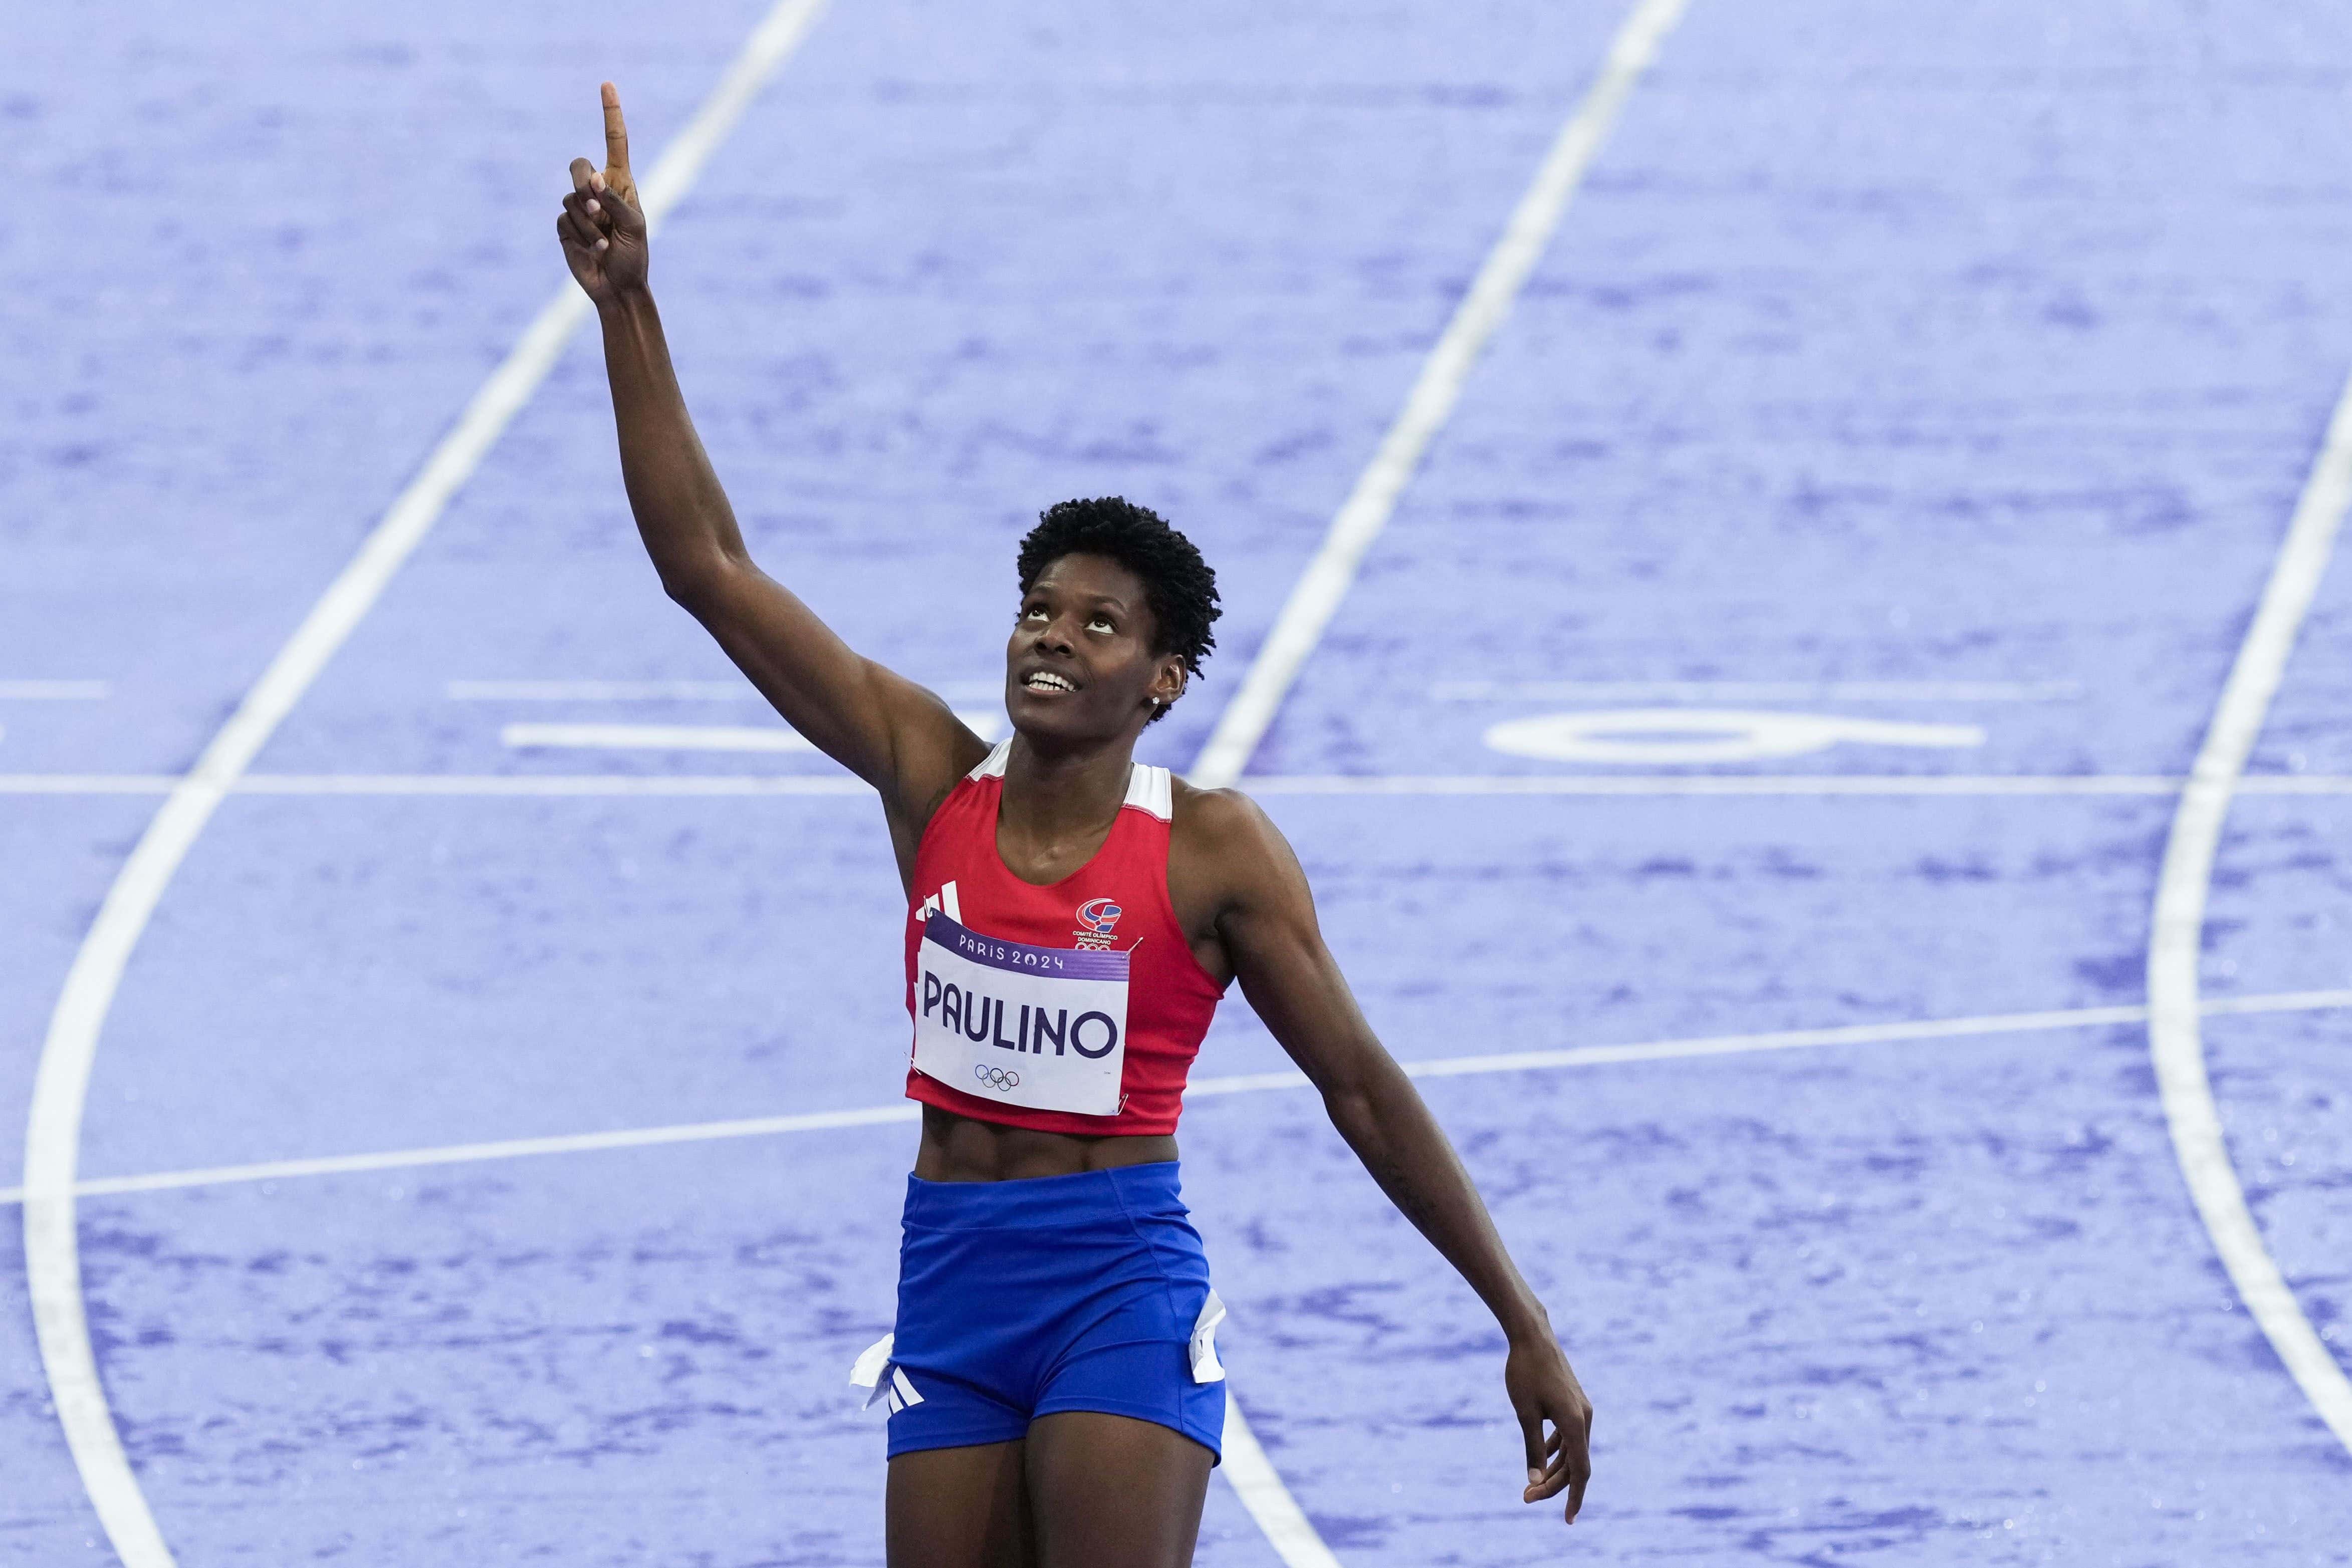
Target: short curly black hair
point(1177, 583)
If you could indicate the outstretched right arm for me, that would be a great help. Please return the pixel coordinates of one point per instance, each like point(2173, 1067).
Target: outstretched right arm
point(887, 731)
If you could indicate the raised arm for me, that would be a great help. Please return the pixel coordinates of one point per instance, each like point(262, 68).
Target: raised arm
point(1266, 925)
point(888, 731)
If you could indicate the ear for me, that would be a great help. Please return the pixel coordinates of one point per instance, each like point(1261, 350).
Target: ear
point(1167, 683)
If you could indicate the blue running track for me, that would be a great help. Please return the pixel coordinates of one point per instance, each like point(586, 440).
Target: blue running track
point(1952, 366)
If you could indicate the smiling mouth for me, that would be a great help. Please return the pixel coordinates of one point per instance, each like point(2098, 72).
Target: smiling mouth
point(1045, 681)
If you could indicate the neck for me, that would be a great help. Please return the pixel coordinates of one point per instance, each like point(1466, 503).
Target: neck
point(1049, 793)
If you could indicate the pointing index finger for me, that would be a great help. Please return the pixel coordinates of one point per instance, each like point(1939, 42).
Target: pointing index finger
point(616, 130)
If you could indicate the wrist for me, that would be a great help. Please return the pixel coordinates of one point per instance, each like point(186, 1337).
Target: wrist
point(1527, 1323)
point(627, 304)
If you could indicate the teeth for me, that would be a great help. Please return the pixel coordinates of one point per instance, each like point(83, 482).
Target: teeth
point(1046, 681)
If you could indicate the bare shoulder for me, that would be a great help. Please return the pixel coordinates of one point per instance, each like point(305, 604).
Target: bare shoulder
point(1223, 837)
point(1208, 817)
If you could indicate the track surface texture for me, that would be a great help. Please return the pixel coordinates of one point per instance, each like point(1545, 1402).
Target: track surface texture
point(1950, 366)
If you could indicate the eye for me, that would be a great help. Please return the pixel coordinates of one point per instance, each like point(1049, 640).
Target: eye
point(1100, 624)
point(1033, 613)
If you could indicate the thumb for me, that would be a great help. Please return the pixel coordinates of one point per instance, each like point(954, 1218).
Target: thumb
point(616, 199)
point(1531, 1428)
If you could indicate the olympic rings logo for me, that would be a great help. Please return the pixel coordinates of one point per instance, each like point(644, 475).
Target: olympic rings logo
point(995, 1077)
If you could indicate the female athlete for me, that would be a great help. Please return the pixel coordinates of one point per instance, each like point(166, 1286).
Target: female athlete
point(1073, 918)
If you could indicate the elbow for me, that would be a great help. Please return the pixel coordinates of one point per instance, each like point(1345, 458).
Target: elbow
point(686, 589)
point(1351, 1110)
point(694, 585)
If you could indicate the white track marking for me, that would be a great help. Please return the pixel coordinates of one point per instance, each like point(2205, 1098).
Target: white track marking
point(52, 690)
point(1316, 597)
point(736, 690)
point(1403, 784)
point(655, 738)
point(526, 785)
point(1259, 1486)
point(1794, 784)
point(60, 1088)
point(1757, 691)
point(1211, 1088)
point(1673, 736)
point(500, 1149)
point(599, 691)
point(688, 736)
point(2175, 1041)
point(617, 785)
point(87, 783)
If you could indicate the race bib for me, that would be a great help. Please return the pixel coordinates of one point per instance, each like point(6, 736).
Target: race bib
point(1044, 1028)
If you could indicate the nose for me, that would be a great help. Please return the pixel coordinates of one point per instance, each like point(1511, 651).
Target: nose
point(1055, 634)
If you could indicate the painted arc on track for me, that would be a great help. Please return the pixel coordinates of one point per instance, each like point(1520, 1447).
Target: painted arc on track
point(1666, 735)
point(2175, 1042)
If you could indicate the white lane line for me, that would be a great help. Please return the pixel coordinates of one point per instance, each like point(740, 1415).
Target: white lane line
point(1402, 784)
point(655, 738)
point(528, 785)
point(599, 691)
point(1798, 784)
point(771, 737)
point(1986, 1025)
point(2175, 939)
point(1757, 691)
point(1316, 597)
point(52, 690)
point(61, 1082)
point(87, 783)
point(500, 1149)
point(1259, 1484)
point(738, 690)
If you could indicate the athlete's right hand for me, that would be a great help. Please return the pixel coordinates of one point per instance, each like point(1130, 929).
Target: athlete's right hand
point(603, 228)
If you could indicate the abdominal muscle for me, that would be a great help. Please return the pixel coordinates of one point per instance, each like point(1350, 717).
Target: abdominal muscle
point(958, 1148)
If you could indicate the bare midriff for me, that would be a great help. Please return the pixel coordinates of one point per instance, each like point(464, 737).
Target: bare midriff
point(958, 1148)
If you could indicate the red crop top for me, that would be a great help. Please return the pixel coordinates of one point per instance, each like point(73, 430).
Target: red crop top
point(1074, 1008)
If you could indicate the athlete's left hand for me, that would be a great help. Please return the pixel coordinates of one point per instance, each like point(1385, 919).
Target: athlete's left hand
point(603, 227)
point(1543, 1388)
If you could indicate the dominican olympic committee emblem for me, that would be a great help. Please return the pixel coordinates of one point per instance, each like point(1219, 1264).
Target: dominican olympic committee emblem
point(1096, 918)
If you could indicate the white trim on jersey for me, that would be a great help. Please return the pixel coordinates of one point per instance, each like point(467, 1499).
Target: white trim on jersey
point(1148, 789)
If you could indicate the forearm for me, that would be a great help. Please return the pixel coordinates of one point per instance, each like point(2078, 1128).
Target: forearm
point(1385, 1121)
point(682, 513)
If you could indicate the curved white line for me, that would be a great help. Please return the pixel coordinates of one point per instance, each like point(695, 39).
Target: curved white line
point(1316, 597)
point(1259, 1484)
point(61, 1084)
point(2176, 936)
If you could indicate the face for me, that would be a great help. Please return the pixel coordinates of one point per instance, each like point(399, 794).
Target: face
point(1079, 665)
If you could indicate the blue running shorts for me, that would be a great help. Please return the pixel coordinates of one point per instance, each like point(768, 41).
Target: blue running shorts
point(1017, 1299)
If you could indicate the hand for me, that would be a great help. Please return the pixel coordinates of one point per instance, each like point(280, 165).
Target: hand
point(1543, 1388)
point(603, 227)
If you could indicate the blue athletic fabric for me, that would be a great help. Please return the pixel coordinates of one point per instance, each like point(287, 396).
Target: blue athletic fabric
point(1017, 1299)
